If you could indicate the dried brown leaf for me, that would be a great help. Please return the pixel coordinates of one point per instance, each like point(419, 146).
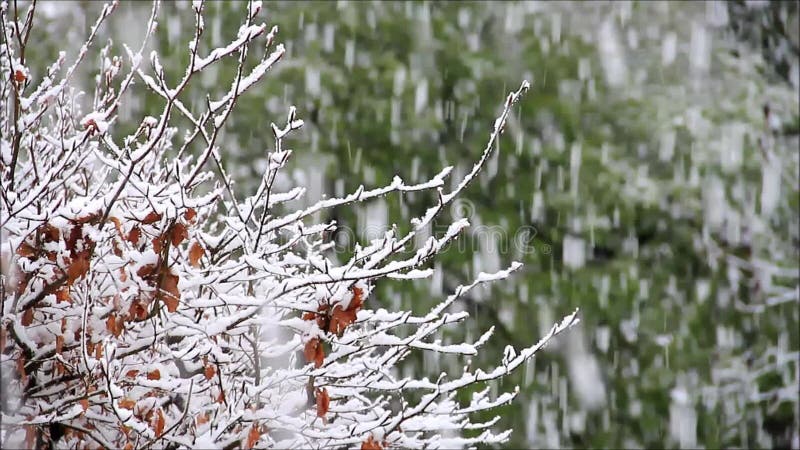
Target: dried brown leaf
point(152, 217)
point(323, 402)
point(196, 252)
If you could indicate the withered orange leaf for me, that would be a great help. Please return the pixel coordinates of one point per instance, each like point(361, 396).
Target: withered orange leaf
point(146, 270)
point(50, 233)
point(75, 233)
point(127, 403)
point(62, 295)
point(151, 218)
point(84, 403)
point(154, 375)
point(357, 300)
point(114, 325)
point(253, 435)
point(310, 349)
point(209, 371)
point(134, 234)
point(201, 418)
point(78, 267)
point(60, 368)
point(157, 244)
point(340, 319)
point(117, 224)
point(137, 310)
point(190, 214)
point(59, 343)
point(26, 250)
point(371, 444)
point(91, 218)
point(178, 234)
point(323, 318)
point(27, 317)
point(313, 351)
point(132, 373)
point(111, 323)
point(195, 253)
point(169, 284)
point(323, 402)
point(160, 422)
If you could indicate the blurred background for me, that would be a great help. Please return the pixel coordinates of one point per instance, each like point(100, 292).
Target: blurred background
point(649, 178)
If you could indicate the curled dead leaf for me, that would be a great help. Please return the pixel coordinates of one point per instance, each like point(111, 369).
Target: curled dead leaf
point(371, 444)
point(323, 402)
point(27, 317)
point(134, 235)
point(196, 252)
point(152, 217)
point(209, 371)
point(357, 300)
point(253, 435)
point(26, 250)
point(90, 218)
point(178, 234)
point(340, 319)
point(114, 325)
point(117, 225)
point(62, 295)
point(138, 311)
point(146, 271)
point(190, 214)
point(172, 296)
point(313, 351)
point(49, 233)
point(78, 267)
point(159, 422)
point(75, 233)
point(154, 375)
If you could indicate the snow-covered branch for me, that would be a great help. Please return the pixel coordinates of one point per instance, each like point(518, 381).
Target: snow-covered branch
point(144, 304)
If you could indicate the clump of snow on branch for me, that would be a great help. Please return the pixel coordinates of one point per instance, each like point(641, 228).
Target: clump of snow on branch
point(145, 304)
